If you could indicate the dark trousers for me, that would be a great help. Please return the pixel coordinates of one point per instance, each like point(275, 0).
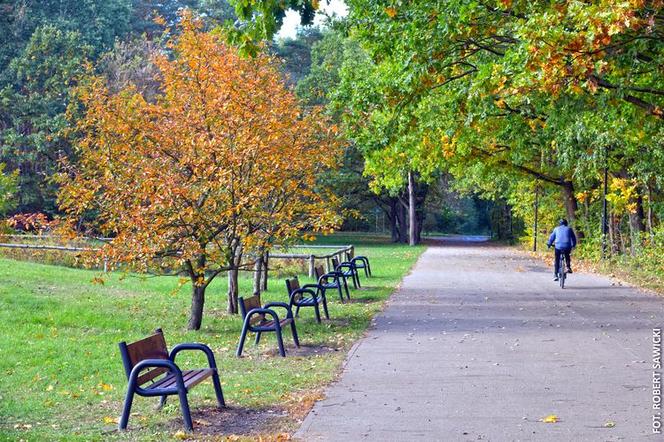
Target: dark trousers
point(568, 259)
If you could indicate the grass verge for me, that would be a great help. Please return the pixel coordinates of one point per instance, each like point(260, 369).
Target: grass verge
point(61, 376)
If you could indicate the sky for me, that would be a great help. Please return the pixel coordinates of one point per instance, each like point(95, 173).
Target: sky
point(292, 19)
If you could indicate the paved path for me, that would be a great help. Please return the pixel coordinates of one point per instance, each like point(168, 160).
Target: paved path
point(480, 344)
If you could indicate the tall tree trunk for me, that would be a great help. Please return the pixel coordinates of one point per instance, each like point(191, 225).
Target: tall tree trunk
point(412, 219)
point(403, 224)
point(650, 211)
point(392, 217)
point(197, 302)
point(569, 199)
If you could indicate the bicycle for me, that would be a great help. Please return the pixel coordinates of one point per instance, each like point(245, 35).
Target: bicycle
point(562, 272)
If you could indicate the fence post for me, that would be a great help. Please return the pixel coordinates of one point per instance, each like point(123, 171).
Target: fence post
point(312, 264)
point(105, 265)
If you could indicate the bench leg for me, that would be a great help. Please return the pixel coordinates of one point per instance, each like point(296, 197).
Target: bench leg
point(129, 399)
point(327, 314)
point(346, 288)
point(258, 338)
point(296, 339)
point(368, 267)
point(341, 295)
point(352, 277)
point(217, 389)
point(357, 277)
point(184, 405)
point(280, 342)
point(317, 312)
point(243, 336)
point(162, 402)
point(297, 311)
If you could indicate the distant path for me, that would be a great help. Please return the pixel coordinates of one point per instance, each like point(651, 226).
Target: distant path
point(480, 344)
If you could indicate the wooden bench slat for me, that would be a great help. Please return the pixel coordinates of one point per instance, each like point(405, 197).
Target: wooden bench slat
point(190, 378)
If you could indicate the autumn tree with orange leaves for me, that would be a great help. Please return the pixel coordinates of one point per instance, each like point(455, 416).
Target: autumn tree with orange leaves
point(207, 176)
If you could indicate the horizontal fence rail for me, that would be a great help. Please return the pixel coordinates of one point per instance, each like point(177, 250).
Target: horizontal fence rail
point(342, 252)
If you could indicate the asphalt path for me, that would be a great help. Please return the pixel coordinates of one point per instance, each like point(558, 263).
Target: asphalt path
point(479, 343)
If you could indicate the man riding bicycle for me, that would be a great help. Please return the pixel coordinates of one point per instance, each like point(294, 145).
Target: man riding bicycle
point(564, 239)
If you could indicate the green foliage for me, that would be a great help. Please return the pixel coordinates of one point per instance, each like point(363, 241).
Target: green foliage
point(32, 106)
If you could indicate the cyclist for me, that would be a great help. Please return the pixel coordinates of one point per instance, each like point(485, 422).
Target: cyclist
point(564, 239)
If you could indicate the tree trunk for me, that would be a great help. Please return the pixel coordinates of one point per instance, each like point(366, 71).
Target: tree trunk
point(258, 274)
point(264, 271)
point(392, 217)
point(650, 211)
point(233, 290)
point(198, 283)
point(412, 219)
point(636, 225)
point(403, 225)
point(197, 302)
point(569, 199)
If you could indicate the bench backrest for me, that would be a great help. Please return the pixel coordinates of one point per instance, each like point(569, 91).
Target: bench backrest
point(292, 285)
point(248, 304)
point(319, 271)
point(152, 347)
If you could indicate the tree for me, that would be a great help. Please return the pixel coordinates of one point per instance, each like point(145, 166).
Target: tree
point(216, 170)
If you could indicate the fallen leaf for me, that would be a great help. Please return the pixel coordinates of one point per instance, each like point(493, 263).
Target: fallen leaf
point(609, 424)
point(551, 419)
point(110, 420)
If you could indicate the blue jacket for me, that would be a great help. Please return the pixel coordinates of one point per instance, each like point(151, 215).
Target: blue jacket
point(563, 237)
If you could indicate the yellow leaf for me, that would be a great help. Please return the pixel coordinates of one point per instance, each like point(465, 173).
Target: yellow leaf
point(110, 420)
point(106, 387)
point(181, 435)
point(49, 388)
point(609, 424)
point(391, 12)
point(551, 419)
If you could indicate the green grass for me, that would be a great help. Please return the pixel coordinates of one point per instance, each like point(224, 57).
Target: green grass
point(61, 376)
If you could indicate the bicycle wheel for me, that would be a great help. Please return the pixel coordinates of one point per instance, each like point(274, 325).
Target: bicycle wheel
point(561, 271)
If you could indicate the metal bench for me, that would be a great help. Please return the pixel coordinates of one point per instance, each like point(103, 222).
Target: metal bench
point(148, 361)
point(310, 295)
point(347, 270)
point(255, 320)
point(331, 280)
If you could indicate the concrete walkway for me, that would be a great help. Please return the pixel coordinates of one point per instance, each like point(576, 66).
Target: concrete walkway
point(480, 344)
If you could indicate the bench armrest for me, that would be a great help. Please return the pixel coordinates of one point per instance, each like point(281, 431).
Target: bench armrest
point(194, 346)
point(154, 363)
point(301, 291)
point(289, 312)
point(345, 265)
point(262, 311)
point(311, 286)
point(331, 275)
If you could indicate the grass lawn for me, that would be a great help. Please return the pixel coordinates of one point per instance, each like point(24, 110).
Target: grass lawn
point(61, 376)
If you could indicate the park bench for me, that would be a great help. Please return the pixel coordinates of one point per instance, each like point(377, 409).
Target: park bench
point(148, 361)
point(255, 320)
point(309, 295)
point(347, 270)
point(331, 280)
point(360, 262)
